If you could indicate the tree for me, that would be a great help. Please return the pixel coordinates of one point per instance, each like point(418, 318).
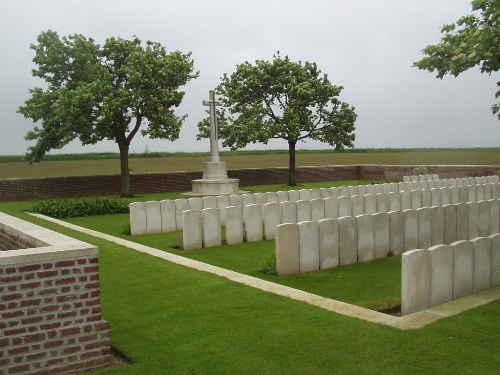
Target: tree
point(109, 92)
point(281, 99)
point(472, 40)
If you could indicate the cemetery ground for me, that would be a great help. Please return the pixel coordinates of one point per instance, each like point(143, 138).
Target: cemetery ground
point(170, 319)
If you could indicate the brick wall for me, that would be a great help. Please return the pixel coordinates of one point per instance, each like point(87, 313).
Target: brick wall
point(43, 188)
point(51, 320)
point(11, 242)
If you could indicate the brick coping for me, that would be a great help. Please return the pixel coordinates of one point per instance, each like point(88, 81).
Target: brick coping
point(412, 321)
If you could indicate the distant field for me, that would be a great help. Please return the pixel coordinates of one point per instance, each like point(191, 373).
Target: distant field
point(106, 164)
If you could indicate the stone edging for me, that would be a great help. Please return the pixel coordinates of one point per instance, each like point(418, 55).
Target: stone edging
point(412, 321)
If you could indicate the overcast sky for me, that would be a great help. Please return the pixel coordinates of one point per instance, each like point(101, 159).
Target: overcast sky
point(366, 46)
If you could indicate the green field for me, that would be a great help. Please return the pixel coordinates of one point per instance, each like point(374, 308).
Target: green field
point(108, 163)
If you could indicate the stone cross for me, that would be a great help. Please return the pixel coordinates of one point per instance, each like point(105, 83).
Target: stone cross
point(214, 131)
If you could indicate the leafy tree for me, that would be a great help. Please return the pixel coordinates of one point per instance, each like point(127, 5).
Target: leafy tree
point(472, 40)
point(109, 92)
point(281, 99)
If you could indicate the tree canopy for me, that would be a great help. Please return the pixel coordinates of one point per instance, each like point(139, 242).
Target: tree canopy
point(281, 99)
point(473, 40)
point(95, 92)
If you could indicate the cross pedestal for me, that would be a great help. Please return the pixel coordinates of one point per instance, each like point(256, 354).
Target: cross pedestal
point(215, 180)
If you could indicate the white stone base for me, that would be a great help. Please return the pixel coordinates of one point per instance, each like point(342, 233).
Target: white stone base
point(216, 187)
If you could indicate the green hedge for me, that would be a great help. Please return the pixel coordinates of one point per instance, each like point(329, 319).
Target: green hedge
point(84, 207)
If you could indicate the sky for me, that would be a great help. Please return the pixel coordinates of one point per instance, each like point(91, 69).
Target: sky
point(368, 47)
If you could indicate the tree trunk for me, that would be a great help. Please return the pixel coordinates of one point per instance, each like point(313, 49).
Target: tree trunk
point(126, 190)
point(292, 180)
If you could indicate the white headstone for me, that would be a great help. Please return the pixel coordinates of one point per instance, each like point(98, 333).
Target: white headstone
point(271, 219)
point(195, 204)
point(358, 205)
point(247, 199)
point(454, 195)
point(260, 198)
point(383, 202)
point(181, 205)
point(381, 234)
point(211, 227)
point(437, 225)
point(463, 268)
point(424, 228)
point(495, 259)
point(441, 258)
point(405, 200)
point(282, 196)
point(303, 211)
point(234, 225)
point(348, 240)
point(331, 208)
point(415, 281)
point(344, 206)
point(370, 203)
point(328, 243)
point(462, 221)
point(416, 199)
point(222, 202)
point(287, 249)
point(482, 264)
point(167, 208)
point(137, 218)
point(192, 234)
point(472, 193)
point(426, 198)
point(396, 232)
point(317, 209)
point(394, 202)
point(484, 219)
point(272, 197)
point(153, 217)
point(252, 216)
point(308, 246)
point(288, 212)
point(494, 216)
point(411, 229)
point(315, 194)
point(324, 193)
point(366, 238)
point(236, 200)
point(304, 195)
point(480, 193)
point(463, 194)
point(435, 197)
point(473, 210)
point(293, 195)
point(450, 223)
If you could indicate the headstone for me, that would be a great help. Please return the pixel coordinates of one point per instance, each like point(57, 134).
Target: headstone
point(344, 206)
point(209, 202)
point(153, 217)
point(484, 219)
point(271, 219)
point(314, 194)
point(192, 234)
point(222, 202)
point(472, 193)
point(445, 196)
point(260, 198)
point(353, 190)
point(137, 218)
point(334, 192)
point(234, 225)
point(381, 235)
point(441, 259)
point(287, 249)
point(328, 243)
point(324, 193)
point(463, 194)
point(415, 281)
point(370, 203)
point(411, 229)
point(495, 259)
point(236, 200)
point(450, 223)
point(480, 193)
point(247, 199)
point(343, 191)
point(463, 268)
point(252, 217)
point(473, 210)
point(401, 186)
point(396, 232)
point(211, 227)
point(482, 264)
point(426, 198)
point(181, 205)
point(195, 204)
point(366, 238)
point(317, 209)
point(370, 190)
point(416, 199)
point(462, 221)
point(435, 197)
point(167, 208)
point(431, 184)
point(348, 240)
point(383, 202)
point(437, 225)
point(293, 195)
point(308, 246)
point(386, 188)
point(394, 202)
point(494, 216)
point(303, 211)
point(406, 178)
point(304, 195)
point(288, 212)
point(272, 197)
point(358, 205)
point(361, 189)
point(331, 208)
point(405, 201)
point(487, 192)
point(282, 196)
point(424, 228)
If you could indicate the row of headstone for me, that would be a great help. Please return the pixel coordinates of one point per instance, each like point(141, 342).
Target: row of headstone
point(421, 177)
point(443, 273)
point(166, 215)
point(311, 246)
point(262, 225)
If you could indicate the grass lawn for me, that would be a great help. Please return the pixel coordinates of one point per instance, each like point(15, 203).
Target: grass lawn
point(173, 320)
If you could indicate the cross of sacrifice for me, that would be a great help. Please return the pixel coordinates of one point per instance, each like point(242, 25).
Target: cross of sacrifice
point(214, 131)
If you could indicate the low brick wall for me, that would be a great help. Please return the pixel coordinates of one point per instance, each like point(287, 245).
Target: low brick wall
point(50, 312)
point(8, 241)
point(76, 186)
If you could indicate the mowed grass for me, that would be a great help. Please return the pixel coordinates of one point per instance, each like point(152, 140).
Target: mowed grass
point(173, 320)
point(242, 160)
